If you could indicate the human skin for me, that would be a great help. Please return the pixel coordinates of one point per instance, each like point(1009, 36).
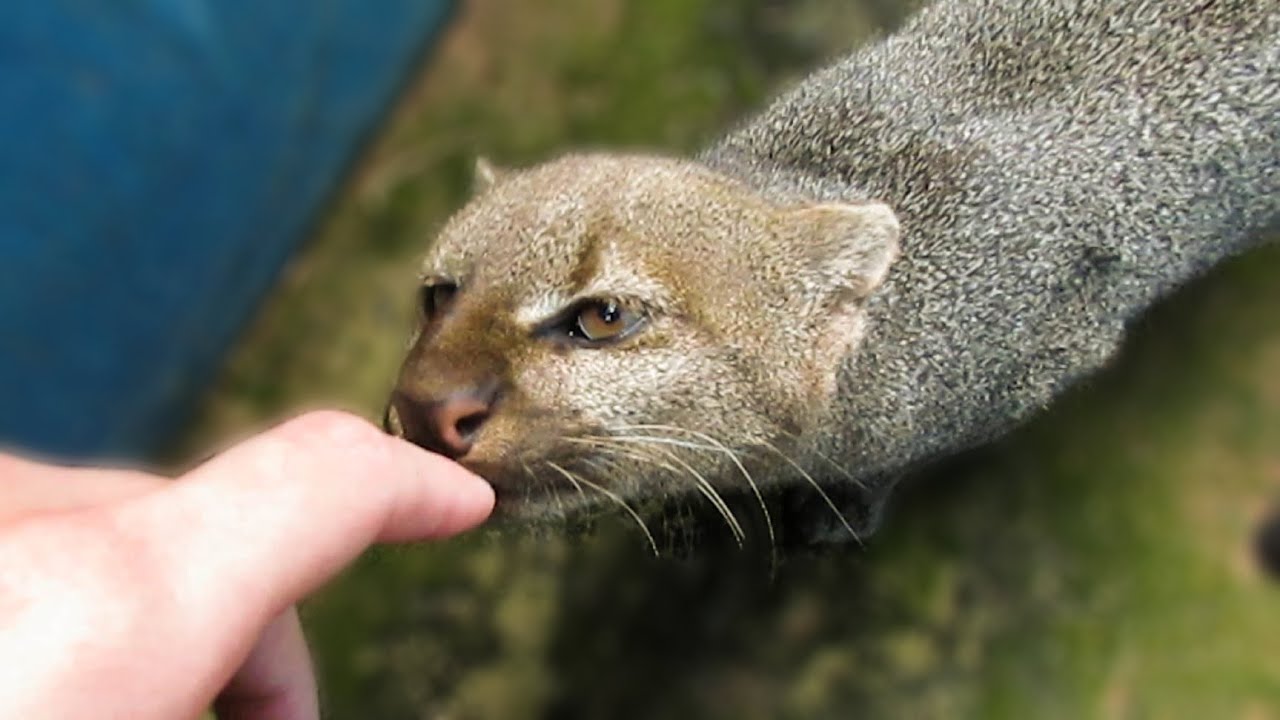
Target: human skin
point(126, 594)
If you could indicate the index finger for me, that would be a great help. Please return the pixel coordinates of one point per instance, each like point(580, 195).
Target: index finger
point(268, 521)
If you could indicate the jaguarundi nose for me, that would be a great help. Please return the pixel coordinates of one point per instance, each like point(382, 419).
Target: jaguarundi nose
point(447, 425)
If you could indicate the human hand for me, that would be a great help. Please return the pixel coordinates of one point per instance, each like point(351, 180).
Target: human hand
point(123, 594)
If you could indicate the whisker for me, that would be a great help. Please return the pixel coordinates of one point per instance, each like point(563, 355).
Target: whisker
point(827, 459)
point(733, 456)
point(825, 497)
point(603, 465)
point(710, 491)
point(608, 465)
point(658, 440)
point(555, 493)
point(653, 545)
point(602, 443)
point(701, 483)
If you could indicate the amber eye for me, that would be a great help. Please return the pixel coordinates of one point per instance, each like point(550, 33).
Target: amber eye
point(435, 298)
point(602, 321)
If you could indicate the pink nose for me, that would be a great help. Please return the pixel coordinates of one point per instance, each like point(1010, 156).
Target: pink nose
point(448, 425)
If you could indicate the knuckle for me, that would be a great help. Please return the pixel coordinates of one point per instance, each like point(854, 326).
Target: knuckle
point(331, 426)
point(329, 434)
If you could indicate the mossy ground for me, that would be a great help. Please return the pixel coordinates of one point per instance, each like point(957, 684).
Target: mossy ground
point(1095, 564)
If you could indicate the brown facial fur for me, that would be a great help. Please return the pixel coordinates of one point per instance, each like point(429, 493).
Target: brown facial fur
point(749, 308)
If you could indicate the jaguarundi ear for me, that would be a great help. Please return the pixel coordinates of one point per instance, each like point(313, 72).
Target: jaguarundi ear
point(847, 248)
point(842, 254)
point(486, 175)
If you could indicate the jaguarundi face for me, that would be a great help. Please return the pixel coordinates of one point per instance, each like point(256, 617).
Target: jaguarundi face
point(606, 328)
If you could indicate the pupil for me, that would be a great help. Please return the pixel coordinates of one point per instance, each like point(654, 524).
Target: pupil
point(609, 313)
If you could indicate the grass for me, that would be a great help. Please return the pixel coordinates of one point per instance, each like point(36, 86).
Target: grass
point(1094, 564)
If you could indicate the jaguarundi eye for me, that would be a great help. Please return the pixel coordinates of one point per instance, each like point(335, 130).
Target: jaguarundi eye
point(434, 299)
point(601, 321)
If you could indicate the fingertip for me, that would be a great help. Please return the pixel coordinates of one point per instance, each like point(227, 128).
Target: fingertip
point(474, 501)
point(443, 498)
point(298, 502)
point(329, 428)
point(431, 496)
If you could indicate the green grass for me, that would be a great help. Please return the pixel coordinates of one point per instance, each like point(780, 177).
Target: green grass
point(1094, 564)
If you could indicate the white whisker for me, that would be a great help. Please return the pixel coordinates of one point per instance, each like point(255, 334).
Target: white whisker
point(826, 498)
point(708, 491)
point(653, 545)
point(733, 456)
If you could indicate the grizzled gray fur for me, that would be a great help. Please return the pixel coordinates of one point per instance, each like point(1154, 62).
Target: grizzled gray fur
point(908, 254)
point(1057, 166)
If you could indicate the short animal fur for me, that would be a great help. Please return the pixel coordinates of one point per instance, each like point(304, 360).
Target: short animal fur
point(908, 254)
